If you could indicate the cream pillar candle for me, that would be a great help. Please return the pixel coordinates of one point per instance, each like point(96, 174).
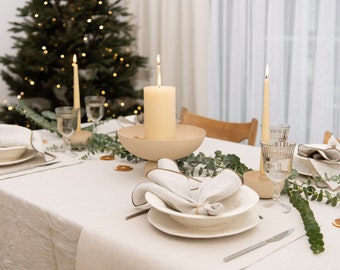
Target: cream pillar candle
point(265, 132)
point(159, 109)
point(76, 91)
point(160, 112)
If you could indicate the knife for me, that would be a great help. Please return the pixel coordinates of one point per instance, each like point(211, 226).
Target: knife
point(137, 214)
point(260, 244)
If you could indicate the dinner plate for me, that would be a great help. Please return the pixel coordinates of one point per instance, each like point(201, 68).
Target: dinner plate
point(240, 202)
point(166, 224)
point(29, 154)
point(303, 166)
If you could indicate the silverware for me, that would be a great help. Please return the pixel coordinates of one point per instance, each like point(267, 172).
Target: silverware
point(137, 214)
point(260, 244)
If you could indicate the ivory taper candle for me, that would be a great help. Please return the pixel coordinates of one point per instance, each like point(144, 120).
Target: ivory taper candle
point(158, 71)
point(76, 91)
point(265, 127)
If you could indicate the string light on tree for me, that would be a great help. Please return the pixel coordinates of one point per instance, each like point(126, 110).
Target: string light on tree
point(51, 74)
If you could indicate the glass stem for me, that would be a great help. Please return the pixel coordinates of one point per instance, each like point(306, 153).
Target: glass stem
point(94, 129)
point(67, 144)
point(277, 191)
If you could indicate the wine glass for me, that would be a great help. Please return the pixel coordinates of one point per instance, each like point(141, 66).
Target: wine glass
point(277, 161)
point(95, 109)
point(67, 118)
point(279, 132)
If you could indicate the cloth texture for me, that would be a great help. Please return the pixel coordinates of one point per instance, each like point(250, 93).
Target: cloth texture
point(12, 135)
point(199, 195)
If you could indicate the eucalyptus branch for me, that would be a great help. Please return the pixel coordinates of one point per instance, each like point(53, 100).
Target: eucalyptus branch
point(309, 191)
point(102, 143)
point(39, 119)
point(294, 190)
point(210, 166)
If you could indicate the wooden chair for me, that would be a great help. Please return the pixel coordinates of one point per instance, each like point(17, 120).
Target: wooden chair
point(326, 137)
point(230, 131)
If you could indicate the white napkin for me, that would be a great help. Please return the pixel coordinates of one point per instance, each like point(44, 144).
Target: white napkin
point(12, 135)
point(199, 195)
point(332, 142)
point(331, 154)
point(325, 162)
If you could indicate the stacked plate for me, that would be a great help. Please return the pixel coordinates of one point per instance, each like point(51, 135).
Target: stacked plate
point(10, 155)
point(303, 164)
point(240, 215)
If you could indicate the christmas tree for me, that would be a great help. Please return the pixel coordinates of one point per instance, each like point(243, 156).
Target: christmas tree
point(52, 31)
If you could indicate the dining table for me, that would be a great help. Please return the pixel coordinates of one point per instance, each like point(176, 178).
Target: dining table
point(72, 215)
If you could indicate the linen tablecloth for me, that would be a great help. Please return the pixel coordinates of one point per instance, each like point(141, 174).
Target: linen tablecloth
point(43, 214)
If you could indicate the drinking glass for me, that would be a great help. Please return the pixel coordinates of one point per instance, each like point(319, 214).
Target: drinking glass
point(279, 132)
point(277, 161)
point(67, 118)
point(95, 109)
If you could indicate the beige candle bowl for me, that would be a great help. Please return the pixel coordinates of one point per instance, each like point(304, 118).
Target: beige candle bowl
point(188, 139)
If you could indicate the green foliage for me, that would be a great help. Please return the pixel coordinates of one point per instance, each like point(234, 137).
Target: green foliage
point(102, 143)
point(45, 120)
point(310, 192)
point(211, 166)
point(47, 36)
point(312, 228)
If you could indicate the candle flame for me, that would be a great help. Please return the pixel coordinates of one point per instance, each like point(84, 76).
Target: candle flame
point(267, 71)
point(74, 59)
point(158, 59)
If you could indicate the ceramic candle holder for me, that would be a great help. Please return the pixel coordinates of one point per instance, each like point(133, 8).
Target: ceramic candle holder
point(187, 140)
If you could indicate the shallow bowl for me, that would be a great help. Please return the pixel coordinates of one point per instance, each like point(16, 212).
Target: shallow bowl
point(10, 153)
point(188, 139)
point(239, 203)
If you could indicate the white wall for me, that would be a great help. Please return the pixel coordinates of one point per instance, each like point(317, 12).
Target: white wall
point(8, 12)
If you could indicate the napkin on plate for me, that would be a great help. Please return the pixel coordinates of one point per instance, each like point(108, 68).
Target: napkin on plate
point(12, 135)
point(199, 195)
point(324, 161)
point(331, 154)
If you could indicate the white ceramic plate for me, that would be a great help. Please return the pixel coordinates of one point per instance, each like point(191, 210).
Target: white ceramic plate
point(240, 202)
point(10, 153)
point(29, 154)
point(166, 224)
point(303, 166)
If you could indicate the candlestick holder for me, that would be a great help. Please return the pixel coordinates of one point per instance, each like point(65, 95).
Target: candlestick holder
point(263, 186)
point(187, 140)
point(80, 137)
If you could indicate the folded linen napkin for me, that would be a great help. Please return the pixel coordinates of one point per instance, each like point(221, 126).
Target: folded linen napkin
point(332, 142)
point(199, 195)
point(12, 135)
point(331, 154)
point(324, 161)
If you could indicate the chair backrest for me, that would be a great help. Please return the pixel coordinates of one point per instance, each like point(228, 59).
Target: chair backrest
point(326, 137)
point(230, 131)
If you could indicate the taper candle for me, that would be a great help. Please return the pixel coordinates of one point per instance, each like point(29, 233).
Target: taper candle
point(76, 91)
point(158, 71)
point(265, 128)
